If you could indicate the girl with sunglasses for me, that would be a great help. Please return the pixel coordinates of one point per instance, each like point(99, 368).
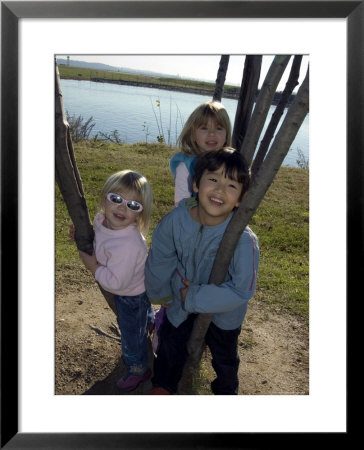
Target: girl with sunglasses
point(118, 266)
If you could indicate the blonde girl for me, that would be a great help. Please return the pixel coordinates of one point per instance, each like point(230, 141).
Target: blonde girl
point(208, 128)
point(118, 265)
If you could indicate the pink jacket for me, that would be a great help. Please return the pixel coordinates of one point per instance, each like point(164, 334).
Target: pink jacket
point(122, 255)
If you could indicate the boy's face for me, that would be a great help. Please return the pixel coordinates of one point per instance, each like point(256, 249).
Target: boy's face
point(218, 195)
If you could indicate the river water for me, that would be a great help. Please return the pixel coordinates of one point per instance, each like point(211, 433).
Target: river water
point(142, 114)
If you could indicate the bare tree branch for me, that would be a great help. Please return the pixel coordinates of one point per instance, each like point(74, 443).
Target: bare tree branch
point(268, 136)
point(70, 185)
point(262, 106)
point(221, 75)
point(247, 94)
point(68, 178)
point(264, 178)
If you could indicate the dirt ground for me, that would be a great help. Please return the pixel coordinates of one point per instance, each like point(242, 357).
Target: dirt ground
point(273, 349)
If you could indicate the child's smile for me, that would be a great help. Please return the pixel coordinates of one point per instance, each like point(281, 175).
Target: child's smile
point(216, 201)
point(210, 136)
point(119, 216)
point(218, 195)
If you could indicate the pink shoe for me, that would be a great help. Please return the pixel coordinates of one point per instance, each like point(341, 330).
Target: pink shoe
point(130, 381)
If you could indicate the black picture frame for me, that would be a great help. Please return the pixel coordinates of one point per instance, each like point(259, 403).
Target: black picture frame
point(11, 12)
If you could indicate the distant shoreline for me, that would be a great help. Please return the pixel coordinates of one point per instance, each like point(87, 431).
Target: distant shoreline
point(165, 83)
point(166, 87)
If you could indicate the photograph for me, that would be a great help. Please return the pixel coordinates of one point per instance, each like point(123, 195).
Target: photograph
point(162, 148)
point(156, 115)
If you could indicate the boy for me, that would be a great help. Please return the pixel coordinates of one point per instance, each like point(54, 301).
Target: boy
point(184, 246)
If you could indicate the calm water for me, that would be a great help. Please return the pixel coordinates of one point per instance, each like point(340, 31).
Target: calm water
point(135, 114)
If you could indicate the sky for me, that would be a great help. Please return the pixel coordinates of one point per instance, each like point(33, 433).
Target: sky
point(189, 66)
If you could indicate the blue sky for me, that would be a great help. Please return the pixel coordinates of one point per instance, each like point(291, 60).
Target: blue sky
point(194, 66)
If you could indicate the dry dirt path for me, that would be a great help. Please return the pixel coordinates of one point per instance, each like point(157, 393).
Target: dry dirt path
point(273, 349)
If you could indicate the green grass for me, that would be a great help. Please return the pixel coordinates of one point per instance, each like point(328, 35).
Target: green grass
point(281, 222)
point(282, 225)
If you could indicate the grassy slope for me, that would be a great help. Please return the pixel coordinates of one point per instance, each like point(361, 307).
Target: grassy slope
point(281, 221)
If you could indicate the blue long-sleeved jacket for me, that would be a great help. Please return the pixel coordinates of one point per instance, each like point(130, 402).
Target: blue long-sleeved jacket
point(184, 249)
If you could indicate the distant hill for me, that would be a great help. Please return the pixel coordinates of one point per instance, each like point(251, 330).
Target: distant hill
point(101, 66)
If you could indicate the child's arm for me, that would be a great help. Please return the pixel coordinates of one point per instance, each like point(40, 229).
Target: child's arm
point(184, 290)
point(181, 189)
point(209, 298)
point(89, 261)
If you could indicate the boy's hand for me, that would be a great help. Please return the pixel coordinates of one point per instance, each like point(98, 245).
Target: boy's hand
point(90, 262)
point(184, 290)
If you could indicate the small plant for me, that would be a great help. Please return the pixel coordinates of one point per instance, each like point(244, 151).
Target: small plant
point(146, 131)
point(160, 137)
point(111, 137)
point(79, 129)
point(301, 161)
point(178, 116)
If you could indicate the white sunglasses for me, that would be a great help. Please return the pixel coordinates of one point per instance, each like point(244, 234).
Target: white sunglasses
point(118, 200)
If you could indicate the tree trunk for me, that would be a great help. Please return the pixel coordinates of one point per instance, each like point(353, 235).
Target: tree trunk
point(68, 178)
point(262, 106)
point(221, 75)
point(247, 94)
point(70, 184)
point(264, 178)
point(268, 136)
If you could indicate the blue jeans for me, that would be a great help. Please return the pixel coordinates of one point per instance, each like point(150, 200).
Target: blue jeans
point(134, 314)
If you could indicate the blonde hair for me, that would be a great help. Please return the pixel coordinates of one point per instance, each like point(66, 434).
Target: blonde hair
point(127, 180)
point(209, 110)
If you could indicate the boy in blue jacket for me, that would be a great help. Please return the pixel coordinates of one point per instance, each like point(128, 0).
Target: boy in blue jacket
point(183, 250)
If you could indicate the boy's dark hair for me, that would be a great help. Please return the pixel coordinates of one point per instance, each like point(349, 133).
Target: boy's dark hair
point(236, 167)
